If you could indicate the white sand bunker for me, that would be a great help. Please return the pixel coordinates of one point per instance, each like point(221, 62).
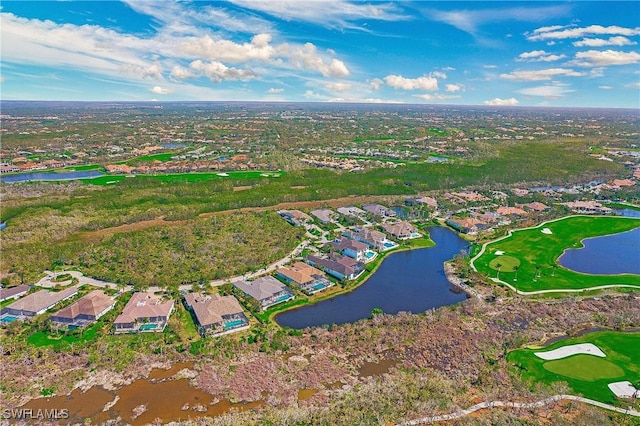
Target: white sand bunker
point(624, 389)
point(223, 174)
point(546, 231)
point(499, 253)
point(565, 351)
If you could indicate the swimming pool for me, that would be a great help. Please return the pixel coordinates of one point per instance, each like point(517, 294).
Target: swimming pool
point(389, 244)
point(145, 327)
point(415, 235)
point(369, 254)
point(317, 287)
point(233, 324)
point(282, 298)
point(8, 318)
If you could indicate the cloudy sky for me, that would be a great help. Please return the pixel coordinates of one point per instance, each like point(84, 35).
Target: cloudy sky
point(583, 53)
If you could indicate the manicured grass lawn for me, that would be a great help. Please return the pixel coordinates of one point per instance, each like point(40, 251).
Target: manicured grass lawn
point(538, 254)
point(504, 263)
point(587, 375)
point(185, 177)
point(83, 167)
point(41, 338)
point(584, 367)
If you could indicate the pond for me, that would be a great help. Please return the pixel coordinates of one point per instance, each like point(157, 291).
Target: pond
point(412, 281)
point(609, 254)
point(31, 177)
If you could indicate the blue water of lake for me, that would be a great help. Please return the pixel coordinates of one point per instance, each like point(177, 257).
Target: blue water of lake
point(30, 177)
point(411, 281)
point(609, 254)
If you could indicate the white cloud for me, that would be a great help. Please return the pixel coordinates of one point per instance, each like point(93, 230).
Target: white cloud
point(549, 91)
point(538, 56)
point(438, 74)
point(306, 57)
point(275, 90)
point(605, 87)
point(366, 100)
point(559, 33)
point(539, 75)
point(338, 87)
point(599, 42)
point(226, 50)
point(502, 102)
point(334, 13)
point(634, 85)
point(181, 73)
point(490, 67)
point(160, 90)
point(453, 87)
point(217, 71)
point(376, 83)
point(420, 83)
point(436, 97)
point(603, 58)
point(470, 20)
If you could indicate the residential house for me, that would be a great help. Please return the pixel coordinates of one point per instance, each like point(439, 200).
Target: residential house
point(351, 211)
point(324, 215)
point(267, 290)
point(38, 303)
point(144, 312)
point(379, 210)
point(510, 211)
point(467, 225)
point(401, 230)
point(426, 201)
point(85, 310)
point(588, 207)
point(352, 248)
point(8, 168)
point(216, 314)
point(310, 280)
point(371, 237)
point(536, 206)
point(341, 267)
point(295, 217)
point(13, 292)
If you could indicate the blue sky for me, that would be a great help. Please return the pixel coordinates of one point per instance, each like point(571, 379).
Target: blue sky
point(582, 54)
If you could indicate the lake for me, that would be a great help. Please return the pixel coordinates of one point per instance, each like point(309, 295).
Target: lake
point(30, 177)
point(609, 254)
point(411, 281)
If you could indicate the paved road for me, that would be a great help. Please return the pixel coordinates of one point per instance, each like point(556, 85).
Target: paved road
point(526, 405)
point(47, 282)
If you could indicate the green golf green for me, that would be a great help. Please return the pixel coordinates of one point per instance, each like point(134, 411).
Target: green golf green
point(584, 367)
point(586, 375)
point(538, 254)
point(506, 263)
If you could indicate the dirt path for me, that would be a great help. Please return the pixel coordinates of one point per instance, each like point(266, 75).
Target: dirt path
point(129, 227)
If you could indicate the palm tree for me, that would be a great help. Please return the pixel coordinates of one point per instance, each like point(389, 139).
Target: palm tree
point(515, 269)
point(498, 265)
point(537, 273)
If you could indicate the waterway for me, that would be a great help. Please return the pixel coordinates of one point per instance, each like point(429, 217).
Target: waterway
point(32, 177)
point(412, 281)
point(609, 254)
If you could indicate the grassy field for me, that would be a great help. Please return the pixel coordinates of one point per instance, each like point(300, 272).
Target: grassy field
point(587, 375)
point(538, 254)
point(184, 177)
point(62, 341)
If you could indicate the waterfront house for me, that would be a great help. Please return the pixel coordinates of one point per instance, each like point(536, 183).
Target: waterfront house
point(144, 312)
point(13, 292)
point(588, 207)
point(467, 225)
point(85, 310)
point(216, 314)
point(324, 215)
point(295, 217)
point(38, 303)
point(401, 230)
point(370, 237)
point(341, 267)
point(352, 248)
point(310, 280)
point(267, 290)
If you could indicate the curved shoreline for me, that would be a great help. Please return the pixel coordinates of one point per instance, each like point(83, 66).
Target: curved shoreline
point(583, 246)
point(529, 293)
